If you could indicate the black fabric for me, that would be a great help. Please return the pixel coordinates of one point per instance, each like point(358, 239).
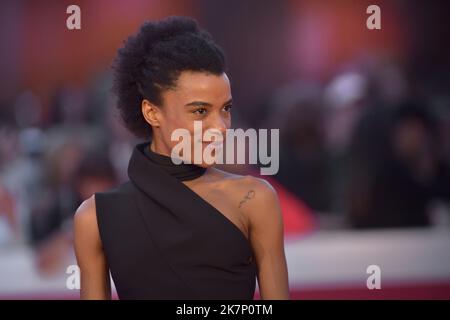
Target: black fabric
point(163, 241)
point(181, 171)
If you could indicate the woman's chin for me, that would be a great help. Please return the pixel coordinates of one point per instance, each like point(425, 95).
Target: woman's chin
point(206, 165)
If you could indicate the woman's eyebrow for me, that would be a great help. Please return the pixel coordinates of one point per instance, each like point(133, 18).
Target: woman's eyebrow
point(205, 104)
point(228, 102)
point(198, 104)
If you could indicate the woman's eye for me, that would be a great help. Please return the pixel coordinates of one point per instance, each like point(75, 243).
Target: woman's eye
point(200, 111)
point(227, 108)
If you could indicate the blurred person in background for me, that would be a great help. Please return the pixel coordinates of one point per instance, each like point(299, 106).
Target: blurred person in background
point(51, 228)
point(305, 163)
point(22, 178)
point(395, 167)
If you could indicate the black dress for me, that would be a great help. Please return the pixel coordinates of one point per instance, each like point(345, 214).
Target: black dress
point(163, 241)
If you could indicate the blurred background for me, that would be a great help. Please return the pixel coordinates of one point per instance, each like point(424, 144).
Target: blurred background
point(364, 119)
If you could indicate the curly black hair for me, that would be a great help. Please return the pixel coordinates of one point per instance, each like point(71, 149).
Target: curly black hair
point(151, 61)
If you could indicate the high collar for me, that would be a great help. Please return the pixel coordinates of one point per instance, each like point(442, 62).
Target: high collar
point(182, 172)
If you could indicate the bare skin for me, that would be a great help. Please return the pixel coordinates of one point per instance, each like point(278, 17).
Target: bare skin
point(95, 282)
point(250, 203)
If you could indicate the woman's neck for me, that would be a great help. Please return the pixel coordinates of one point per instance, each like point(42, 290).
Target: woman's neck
point(159, 148)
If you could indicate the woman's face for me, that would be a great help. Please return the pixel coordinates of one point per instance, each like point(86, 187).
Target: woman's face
point(198, 96)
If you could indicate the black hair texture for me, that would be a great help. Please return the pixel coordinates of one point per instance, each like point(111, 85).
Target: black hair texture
point(151, 61)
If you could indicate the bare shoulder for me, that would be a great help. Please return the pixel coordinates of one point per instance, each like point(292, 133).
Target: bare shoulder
point(86, 213)
point(259, 193)
point(259, 185)
point(249, 191)
point(94, 276)
point(85, 221)
point(247, 180)
point(257, 199)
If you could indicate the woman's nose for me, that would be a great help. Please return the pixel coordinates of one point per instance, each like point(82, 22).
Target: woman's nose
point(218, 125)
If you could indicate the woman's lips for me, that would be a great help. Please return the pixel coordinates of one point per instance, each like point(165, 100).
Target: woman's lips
point(218, 143)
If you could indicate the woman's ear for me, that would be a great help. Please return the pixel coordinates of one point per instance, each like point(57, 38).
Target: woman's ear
point(151, 113)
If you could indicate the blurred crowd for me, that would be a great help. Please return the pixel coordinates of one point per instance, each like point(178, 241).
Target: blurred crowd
point(371, 145)
point(50, 163)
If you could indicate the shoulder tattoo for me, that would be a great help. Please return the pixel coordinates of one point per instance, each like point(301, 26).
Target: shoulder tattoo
point(248, 196)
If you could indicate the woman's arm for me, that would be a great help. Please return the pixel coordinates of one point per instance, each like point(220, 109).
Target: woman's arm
point(267, 239)
point(95, 281)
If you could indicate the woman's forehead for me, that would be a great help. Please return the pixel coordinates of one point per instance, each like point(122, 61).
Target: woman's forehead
point(201, 86)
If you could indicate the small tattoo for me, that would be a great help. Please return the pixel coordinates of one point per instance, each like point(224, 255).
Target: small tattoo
point(250, 195)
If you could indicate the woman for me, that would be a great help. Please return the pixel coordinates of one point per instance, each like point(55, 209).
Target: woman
point(187, 231)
